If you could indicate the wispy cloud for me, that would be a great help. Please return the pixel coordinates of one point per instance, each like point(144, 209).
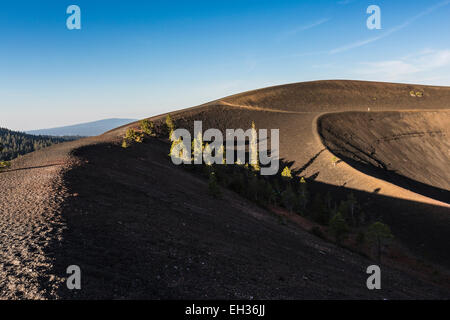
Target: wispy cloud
point(391, 31)
point(412, 68)
point(299, 29)
point(388, 69)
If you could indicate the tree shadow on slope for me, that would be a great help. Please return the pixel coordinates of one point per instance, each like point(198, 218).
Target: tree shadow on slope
point(367, 162)
point(140, 228)
point(398, 179)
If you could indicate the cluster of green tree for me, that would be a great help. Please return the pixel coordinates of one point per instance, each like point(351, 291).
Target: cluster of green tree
point(14, 143)
point(147, 128)
point(342, 216)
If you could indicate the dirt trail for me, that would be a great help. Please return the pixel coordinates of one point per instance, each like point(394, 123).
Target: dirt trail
point(32, 193)
point(131, 250)
point(308, 119)
point(28, 202)
point(255, 108)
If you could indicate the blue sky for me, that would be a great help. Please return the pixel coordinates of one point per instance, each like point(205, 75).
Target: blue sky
point(136, 59)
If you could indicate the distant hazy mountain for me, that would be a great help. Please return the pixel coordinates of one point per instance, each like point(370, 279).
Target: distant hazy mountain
point(84, 129)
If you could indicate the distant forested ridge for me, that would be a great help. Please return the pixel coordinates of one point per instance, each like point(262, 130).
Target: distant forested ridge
point(14, 143)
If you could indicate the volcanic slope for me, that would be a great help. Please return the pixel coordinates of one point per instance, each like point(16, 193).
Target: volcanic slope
point(410, 141)
point(141, 228)
point(394, 144)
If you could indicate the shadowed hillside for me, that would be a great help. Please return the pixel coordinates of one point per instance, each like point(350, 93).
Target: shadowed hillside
point(140, 227)
point(295, 110)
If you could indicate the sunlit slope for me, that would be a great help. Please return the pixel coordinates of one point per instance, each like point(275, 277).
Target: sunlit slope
point(132, 209)
point(294, 110)
point(344, 95)
point(415, 145)
point(418, 220)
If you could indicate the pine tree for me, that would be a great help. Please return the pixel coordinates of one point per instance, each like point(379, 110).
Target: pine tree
point(237, 182)
point(289, 198)
point(147, 127)
point(328, 201)
point(286, 173)
point(132, 135)
point(197, 149)
point(344, 209)
point(338, 227)
point(170, 125)
point(267, 192)
point(252, 189)
point(221, 153)
point(254, 160)
point(213, 186)
point(174, 148)
point(304, 195)
point(207, 155)
point(352, 203)
point(379, 235)
point(319, 212)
